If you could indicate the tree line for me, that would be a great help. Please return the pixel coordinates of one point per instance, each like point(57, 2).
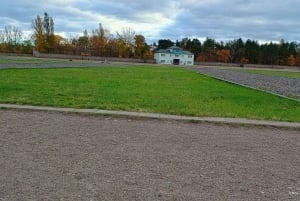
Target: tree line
point(128, 44)
point(239, 51)
point(12, 41)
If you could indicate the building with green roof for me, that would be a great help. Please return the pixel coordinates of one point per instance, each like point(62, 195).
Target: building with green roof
point(174, 55)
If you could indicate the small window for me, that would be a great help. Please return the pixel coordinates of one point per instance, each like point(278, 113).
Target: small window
point(162, 61)
point(163, 55)
point(190, 56)
point(176, 55)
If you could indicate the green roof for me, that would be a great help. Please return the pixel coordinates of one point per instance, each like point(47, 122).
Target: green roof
point(174, 50)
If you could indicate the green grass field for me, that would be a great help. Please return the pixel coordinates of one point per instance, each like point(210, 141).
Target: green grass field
point(142, 88)
point(272, 72)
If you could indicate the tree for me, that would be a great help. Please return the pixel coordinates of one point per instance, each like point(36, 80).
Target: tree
point(209, 49)
point(17, 35)
point(127, 35)
point(291, 60)
point(283, 52)
point(43, 35)
point(139, 46)
point(8, 35)
point(2, 38)
point(298, 57)
point(252, 51)
point(126, 42)
point(237, 50)
point(99, 40)
point(38, 34)
point(164, 44)
point(196, 47)
point(48, 27)
point(223, 55)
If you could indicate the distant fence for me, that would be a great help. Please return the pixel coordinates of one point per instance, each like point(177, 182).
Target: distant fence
point(93, 58)
point(133, 60)
point(244, 65)
point(15, 54)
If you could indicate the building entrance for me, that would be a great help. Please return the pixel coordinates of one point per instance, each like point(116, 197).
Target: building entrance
point(176, 61)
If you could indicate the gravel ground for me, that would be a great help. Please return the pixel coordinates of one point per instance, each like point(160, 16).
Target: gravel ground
point(280, 85)
point(60, 156)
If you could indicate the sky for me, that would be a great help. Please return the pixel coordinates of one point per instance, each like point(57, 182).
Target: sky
point(222, 20)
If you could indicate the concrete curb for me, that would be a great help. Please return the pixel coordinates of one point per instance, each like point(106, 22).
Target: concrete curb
point(238, 121)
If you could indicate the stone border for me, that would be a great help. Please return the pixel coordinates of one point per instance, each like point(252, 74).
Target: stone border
point(236, 121)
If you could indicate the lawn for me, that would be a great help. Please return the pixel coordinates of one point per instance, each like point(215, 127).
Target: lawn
point(142, 88)
point(272, 72)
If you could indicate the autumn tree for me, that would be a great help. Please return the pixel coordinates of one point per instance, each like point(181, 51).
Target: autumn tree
point(99, 40)
point(291, 60)
point(43, 34)
point(111, 48)
point(139, 46)
point(123, 49)
point(298, 58)
point(244, 60)
point(126, 42)
point(202, 57)
point(38, 34)
point(83, 42)
point(223, 55)
point(148, 54)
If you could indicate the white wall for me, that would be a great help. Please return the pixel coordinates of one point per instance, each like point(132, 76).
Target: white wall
point(167, 58)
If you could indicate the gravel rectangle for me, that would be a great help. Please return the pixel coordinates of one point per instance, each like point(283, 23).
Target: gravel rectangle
point(60, 156)
point(285, 86)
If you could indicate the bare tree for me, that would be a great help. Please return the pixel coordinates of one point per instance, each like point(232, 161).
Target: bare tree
point(17, 35)
point(8, 34)
point(127, 35)
point(2, 38)
point(126, 42)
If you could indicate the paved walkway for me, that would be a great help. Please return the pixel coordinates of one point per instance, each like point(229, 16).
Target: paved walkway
point(242, 121)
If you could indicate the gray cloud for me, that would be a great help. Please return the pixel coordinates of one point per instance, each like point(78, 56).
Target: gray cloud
point(174, 19)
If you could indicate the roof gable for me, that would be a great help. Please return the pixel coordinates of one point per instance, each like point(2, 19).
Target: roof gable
point(174, 50)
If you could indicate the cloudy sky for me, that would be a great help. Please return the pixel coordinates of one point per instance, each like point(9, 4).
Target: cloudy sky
point(262, 20)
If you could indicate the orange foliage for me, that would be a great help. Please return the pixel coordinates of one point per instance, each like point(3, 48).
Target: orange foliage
point(202, 58)
point(244, 60)
point(298, 58)
point(291, 60)
point(223, 55)
point(148, 55)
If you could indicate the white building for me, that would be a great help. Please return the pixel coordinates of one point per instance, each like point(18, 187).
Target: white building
point(174, 55)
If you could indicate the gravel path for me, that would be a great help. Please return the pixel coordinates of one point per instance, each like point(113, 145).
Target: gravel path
point(59, 156)
point(280, 85)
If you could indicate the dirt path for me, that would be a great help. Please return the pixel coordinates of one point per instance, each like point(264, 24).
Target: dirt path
point(55, 156)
